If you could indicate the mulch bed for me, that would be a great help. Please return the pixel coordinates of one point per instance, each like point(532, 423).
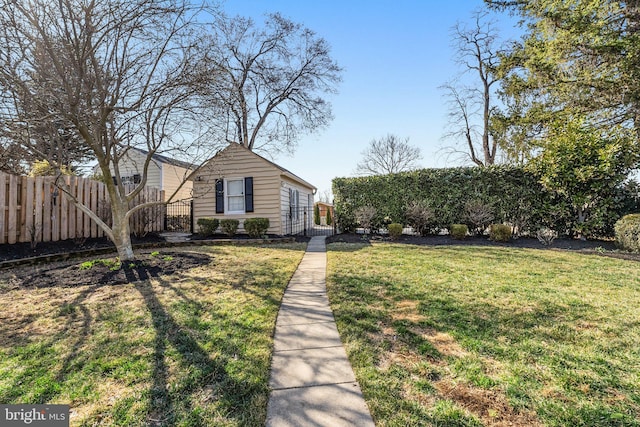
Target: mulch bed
point(20, 251)
point(50, 264)
point(74, 273)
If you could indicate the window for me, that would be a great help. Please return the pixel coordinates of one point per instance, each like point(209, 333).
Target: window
point(128, 180)
point(294, 204)
point(235, 195)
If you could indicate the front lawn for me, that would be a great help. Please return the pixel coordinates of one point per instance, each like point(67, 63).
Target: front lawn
point(496, 336)
point(191, 348)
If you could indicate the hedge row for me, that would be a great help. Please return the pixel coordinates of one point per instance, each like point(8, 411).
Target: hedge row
point(514, 196)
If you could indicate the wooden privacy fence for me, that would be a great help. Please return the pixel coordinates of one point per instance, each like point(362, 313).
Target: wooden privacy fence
point(33, 209)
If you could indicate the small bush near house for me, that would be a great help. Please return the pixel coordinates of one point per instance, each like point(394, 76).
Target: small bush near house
point(419, 216)
point(500, 232)
point(459, 231)
point(627, 231)
point(364, 216)
point(395, 230)
point(229, 226)
point(256, 227)
point(328, 217)
point(478, 214)
point(208, 226)
point(546, 236)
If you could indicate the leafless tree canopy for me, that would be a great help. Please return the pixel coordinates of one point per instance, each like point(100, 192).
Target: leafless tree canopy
point(101, 77)
point(470, 106)
point(272, 81)
point(390, 154)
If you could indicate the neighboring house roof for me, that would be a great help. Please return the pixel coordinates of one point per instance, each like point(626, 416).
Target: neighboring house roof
point(327, 204)
point(284, 171)
point(168, 160)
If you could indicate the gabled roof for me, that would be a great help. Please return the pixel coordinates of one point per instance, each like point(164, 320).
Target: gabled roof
point(284, 172)
point(168, 160)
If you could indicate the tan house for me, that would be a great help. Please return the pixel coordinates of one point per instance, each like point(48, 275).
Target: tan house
point(238, 183)
point(323, 208)
point(164, 173)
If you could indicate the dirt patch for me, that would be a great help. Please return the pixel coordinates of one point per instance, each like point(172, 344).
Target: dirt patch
point(488, 405)
point(101, 271)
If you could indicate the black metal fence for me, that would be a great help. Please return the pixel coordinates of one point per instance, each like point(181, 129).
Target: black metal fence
point(179, 216)
point(300, 222)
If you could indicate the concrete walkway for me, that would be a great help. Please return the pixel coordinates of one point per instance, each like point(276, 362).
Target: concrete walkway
point(311, 380)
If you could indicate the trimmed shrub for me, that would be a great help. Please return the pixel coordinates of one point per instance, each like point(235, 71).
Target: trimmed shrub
point(419, 217)
point(515, 195)
point(328, 218)
point(256, 227)
point(316, 214)
point(500, 232)
point(395, 230)
point(546, 236)
point(459, 231)
point(229, 226)
point(627, 231)
point(208, 226)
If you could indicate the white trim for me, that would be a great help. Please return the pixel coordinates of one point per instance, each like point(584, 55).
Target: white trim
point(226, 197)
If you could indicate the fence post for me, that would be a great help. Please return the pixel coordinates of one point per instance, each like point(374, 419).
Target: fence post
point(305, 222)
point(191, 217)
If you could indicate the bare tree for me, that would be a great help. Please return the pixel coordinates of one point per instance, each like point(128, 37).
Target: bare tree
point(470, 107)
point(390, 154)
point(11, 158)
point(113, 74)
point(272, 81)
point(325, 196)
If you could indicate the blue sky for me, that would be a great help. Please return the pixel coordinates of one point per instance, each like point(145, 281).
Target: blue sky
point(395, 55)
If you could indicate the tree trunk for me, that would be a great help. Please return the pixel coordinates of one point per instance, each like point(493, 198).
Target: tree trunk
point(122, 240)
point(122, 234)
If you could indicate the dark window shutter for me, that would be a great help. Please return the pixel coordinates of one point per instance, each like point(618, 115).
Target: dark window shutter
point(219, 196)
point(248, 194)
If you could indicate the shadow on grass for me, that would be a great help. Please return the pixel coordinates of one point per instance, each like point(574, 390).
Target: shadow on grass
point(448, 313)
point(206, 378)
point(194, 374)
point(389, 321)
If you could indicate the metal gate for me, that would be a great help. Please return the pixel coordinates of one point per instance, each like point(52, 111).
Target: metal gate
point(179, 216)
point(300, 222)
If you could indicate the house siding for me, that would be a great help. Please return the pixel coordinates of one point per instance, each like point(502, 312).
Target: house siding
point(133, 164)
point(305, 202)
point(237, 162)
point(164, 176)
point(172, 177)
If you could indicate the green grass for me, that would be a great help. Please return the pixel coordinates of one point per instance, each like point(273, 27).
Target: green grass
point(466, 336)
point(189, 349)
